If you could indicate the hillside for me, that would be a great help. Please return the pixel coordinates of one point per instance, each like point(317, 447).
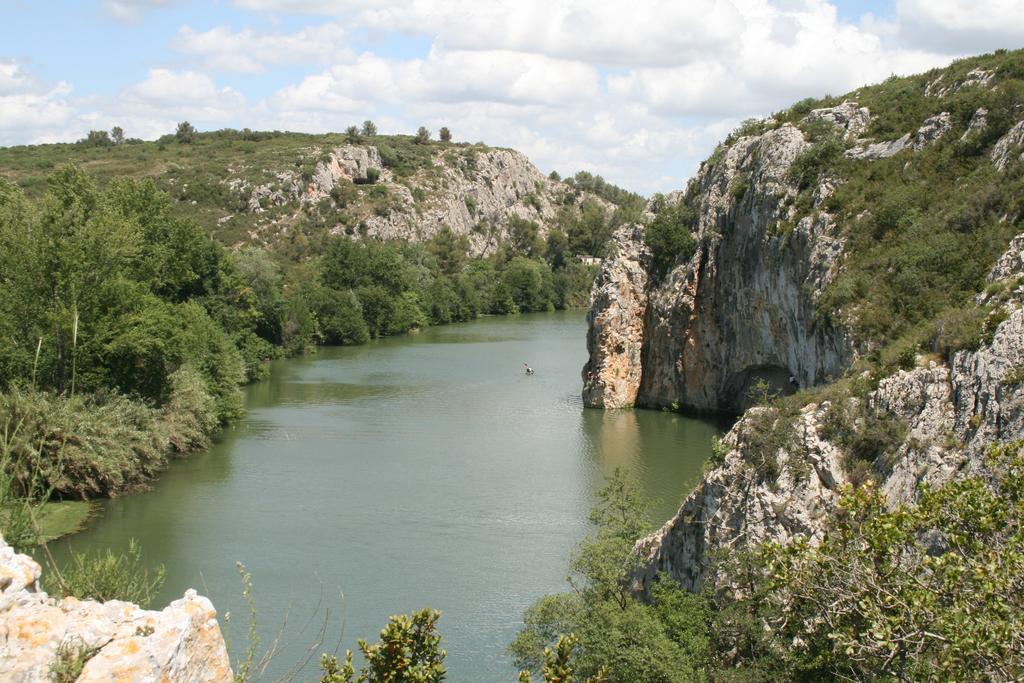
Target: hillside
point(289, 191)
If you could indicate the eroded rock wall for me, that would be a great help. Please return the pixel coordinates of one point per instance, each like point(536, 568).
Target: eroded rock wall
point(742, 308)
point(474, 193)
point(952, 413)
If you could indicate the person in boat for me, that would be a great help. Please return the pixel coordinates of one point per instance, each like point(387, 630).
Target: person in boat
point(529, 370)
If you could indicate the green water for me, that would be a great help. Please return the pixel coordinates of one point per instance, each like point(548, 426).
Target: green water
point(426, 470)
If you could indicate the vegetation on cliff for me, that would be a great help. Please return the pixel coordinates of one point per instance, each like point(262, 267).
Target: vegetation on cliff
point(930, 590)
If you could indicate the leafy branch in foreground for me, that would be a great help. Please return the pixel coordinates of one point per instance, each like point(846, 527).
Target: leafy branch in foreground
point(409, 651)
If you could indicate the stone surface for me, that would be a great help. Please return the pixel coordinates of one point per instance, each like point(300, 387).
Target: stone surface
point(853, 119)
point(476, 195)
point(978, 122)
point(740, 309)
point(182, 642)
point(1008, 147)
point(615, 324)
point(932, 129)
point(952, 413)
point(942, 86)
point(928, 134)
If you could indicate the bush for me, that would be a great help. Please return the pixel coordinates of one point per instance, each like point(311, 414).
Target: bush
point(103, 575)
point(185, 133)
point(670, 238)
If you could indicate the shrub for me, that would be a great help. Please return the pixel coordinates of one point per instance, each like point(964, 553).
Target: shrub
point(409, 650)
point(103, 575)
point(185, 133)
point(670, 238)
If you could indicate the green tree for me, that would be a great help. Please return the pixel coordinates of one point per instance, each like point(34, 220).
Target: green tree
point(340, 317)
point(117, 135)
point(664, 639)
point(422, 135)
point(96, 138)
point(449, 249)
point(369, 128)
point(352, 134)
point(670, 237)
point(185, 133)
point(445, 134)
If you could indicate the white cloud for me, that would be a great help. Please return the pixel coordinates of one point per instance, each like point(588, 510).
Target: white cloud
point(961, 26)
point(132, 11)
point(183, 91)
point(30, 111)
point(248, 51)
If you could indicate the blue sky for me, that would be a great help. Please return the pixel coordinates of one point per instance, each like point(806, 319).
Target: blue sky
point(639, 97)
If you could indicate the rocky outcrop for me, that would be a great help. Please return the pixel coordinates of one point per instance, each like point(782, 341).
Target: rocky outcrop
point(943, 86)
point(849, 117)
point(978, 123)
point(1008, 147)
point(742, 309)
point(475, 192)
point(118, 640)
point(928, 134)
point(615, 324)
point(951, 414)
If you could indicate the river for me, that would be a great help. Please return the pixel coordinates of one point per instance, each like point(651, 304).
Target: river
point(425, 470)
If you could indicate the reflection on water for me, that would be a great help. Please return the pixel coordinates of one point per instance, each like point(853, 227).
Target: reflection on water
point(425, 470)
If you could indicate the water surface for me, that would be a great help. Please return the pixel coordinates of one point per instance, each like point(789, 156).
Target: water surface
point(426, 470)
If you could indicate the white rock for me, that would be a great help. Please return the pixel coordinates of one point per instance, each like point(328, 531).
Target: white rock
point(182, 643)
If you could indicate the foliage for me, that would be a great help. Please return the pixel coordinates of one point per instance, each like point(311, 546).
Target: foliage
point(409, 651)
point(922, 228)
point(96, 138)
point(369, 128)
point(444, 134)
point(104, 575)
point(69, 660)
point(185, 133)
point(597, 185)
point(558, 666)
point(927, 591)
point(422, 135)
point(670, 237)
point(664, 639)
point(100, 444)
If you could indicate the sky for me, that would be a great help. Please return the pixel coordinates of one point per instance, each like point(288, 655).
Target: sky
point(637, 91)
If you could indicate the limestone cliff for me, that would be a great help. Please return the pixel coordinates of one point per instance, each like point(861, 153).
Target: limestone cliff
point(119, 641)
point(474, 191)
point(742, 308)
point(951, 413)
point(767, 296)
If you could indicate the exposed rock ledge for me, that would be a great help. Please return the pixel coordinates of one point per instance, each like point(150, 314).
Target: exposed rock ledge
point(952, 412)
point(182, 642)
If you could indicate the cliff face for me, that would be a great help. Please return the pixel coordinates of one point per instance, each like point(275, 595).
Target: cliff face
point(951, 414)
point(122, 642)
point(742, 308)
point(474, 192)
point(777, 230)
